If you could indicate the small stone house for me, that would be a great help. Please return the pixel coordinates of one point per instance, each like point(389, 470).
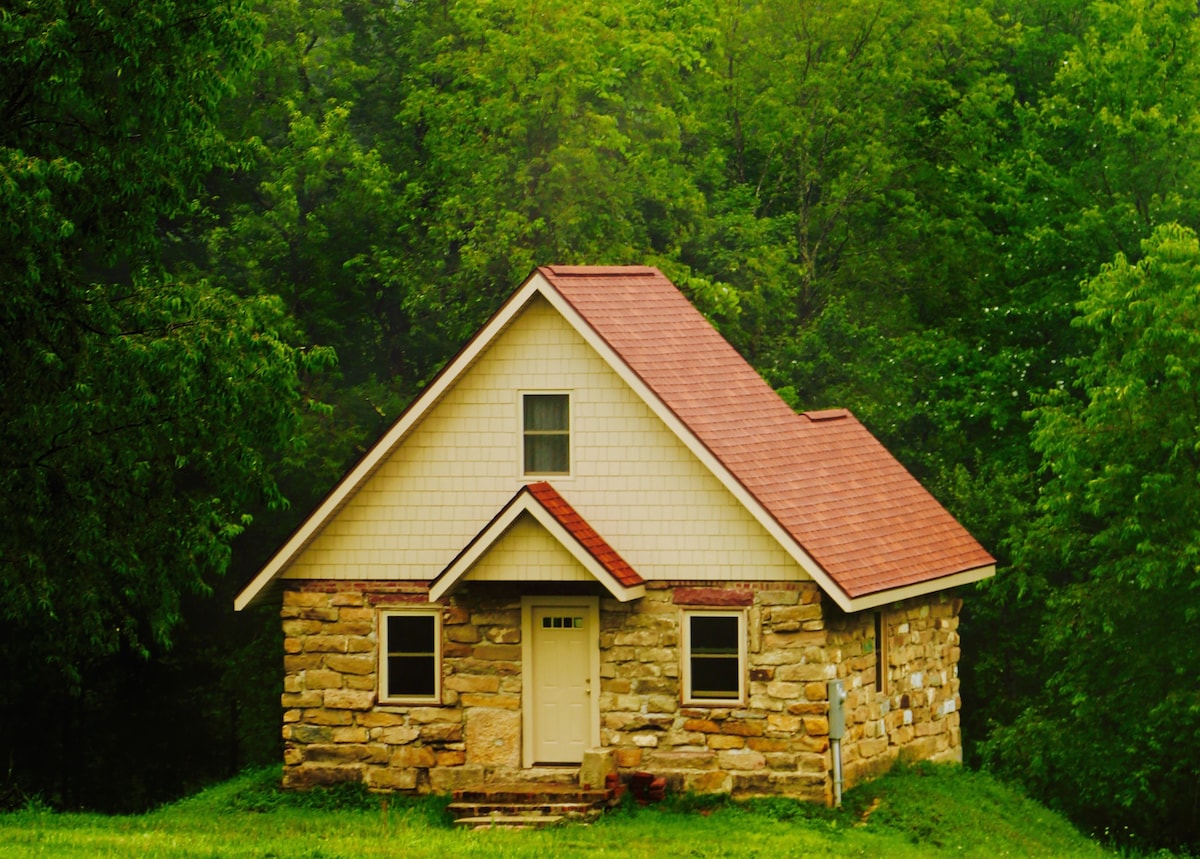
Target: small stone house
point(599, 528)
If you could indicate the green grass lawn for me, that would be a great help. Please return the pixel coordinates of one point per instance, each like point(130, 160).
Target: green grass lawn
point(916, 812)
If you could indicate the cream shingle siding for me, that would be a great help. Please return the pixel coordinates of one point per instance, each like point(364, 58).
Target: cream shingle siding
point(527, 552)
point(632, 479)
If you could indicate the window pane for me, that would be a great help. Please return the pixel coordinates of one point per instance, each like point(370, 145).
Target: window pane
point(412, 663)
point(714, 657)
point(411, 633)
point(546, 412)
point(547, 454)
point(714, 677)
point(411, 676)
point(714, 634)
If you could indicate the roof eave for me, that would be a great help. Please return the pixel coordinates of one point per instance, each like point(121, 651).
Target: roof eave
point(889, 596)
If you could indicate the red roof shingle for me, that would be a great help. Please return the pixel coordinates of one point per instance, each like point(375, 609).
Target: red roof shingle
point(596, 545)
point(822, 476)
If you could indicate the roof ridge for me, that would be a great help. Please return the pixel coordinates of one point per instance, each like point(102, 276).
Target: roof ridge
point(600, 270)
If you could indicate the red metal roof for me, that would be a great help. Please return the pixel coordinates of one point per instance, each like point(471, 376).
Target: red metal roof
point(822, 476)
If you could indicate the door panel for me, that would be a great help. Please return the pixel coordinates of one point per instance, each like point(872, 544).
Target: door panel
point(562, 642)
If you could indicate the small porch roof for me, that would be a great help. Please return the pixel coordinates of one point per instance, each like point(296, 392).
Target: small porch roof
point(545, 505)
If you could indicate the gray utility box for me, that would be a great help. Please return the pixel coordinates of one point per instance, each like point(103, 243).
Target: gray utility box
point(837, 709)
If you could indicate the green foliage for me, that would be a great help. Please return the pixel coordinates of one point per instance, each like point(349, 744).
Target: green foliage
point(140, 409)
point(1114, 741)
point(888, 207)
point(929, 811)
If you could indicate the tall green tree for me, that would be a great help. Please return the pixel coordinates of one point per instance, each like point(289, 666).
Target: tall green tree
point(1115, 738)
point(142, 412)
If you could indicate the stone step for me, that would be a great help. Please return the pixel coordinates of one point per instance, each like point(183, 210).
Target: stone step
point(565, 810)
point(509, 821)
point(530, 794)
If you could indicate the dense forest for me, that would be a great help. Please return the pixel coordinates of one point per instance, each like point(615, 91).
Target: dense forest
point(238, 236)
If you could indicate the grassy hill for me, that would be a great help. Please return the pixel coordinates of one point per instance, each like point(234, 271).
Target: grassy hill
point(914, 812)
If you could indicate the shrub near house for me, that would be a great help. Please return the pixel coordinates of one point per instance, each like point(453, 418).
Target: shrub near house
point(598, 527)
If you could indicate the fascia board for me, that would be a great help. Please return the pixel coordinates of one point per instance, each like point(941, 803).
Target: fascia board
point(942, 583)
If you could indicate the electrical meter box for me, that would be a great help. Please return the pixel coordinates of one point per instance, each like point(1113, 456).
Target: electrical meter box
point(837, 709)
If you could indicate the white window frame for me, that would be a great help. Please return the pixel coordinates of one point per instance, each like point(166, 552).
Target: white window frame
point(686, 657)
point(570, 433)
point(436, 697)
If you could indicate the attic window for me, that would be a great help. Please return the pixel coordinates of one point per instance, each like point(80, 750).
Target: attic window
point(546, 422)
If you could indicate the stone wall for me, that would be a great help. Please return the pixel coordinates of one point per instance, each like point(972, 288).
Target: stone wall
point(776, 742)
point(916, 715)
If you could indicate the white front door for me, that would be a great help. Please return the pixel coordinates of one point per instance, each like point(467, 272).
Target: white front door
point(563, 652)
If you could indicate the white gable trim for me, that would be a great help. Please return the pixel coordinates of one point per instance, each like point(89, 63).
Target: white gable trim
point(524, 503)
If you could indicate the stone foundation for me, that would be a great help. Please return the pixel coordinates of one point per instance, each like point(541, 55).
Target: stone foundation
point(776, 742)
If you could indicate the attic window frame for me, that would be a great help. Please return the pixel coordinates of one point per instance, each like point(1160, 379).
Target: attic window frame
point(385, 650)
point(527, 434)
point(689, 698)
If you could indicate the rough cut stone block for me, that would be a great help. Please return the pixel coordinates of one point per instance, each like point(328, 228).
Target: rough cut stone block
point(308, 734)
point(596, 766)
point(321, 678)
point(413, 756)
point(472, 683)
point(301, 598)
point(714, 781)
point(346, 664)
point(321, 716)
point(349, 699)
point(493, 737)
point(742, 759)
point(447, 779)
point(503, 702)
point(722, 742)
point(319, 776)
point(441, 732)
point(391, 778)
point(398, 736)
point(500, 652)
point(301, 699)
point(629, 758)
point(774, 598)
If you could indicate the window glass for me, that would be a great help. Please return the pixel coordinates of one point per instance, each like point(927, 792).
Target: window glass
point(547, 435)
point(714, 655)
point(412, 655)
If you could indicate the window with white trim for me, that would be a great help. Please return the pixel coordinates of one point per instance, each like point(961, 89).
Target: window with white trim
point(410, 664)
point(714, 657)
point(546, 433)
